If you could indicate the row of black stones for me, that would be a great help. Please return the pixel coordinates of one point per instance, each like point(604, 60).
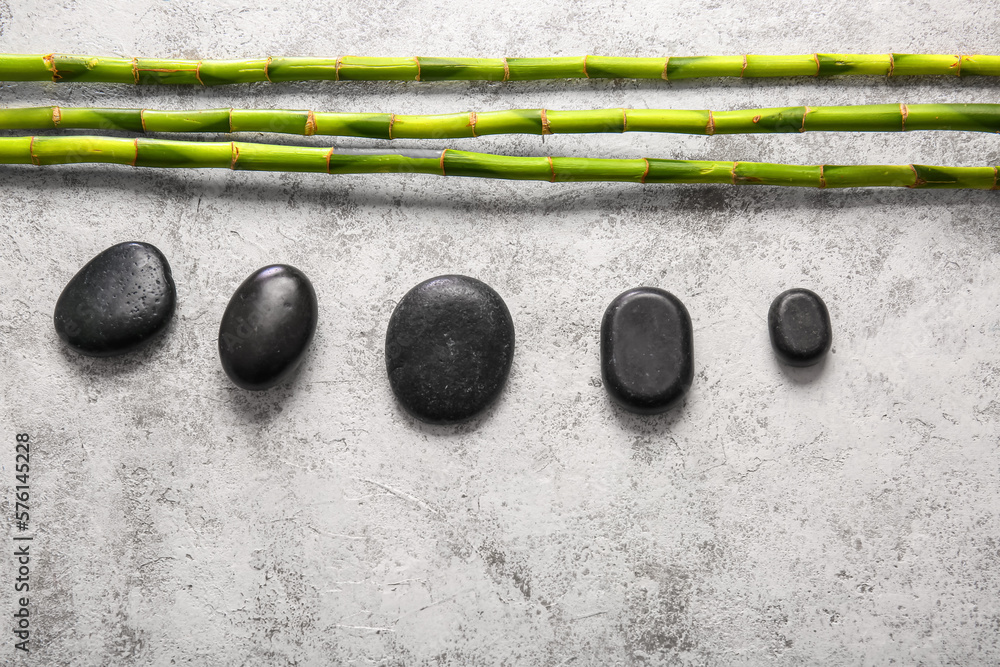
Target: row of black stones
point(124, 298)
point(449, 343)
point(647, 348)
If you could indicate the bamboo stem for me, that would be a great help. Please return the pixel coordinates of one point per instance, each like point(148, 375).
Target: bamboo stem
point(142, 152)
point(860, 118)
point(62, 67)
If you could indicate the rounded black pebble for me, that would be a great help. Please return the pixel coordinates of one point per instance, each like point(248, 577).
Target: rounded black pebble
point(119, 301)
point(448, 348)
point(267, 327)
point(647, 350)
point(799, 324)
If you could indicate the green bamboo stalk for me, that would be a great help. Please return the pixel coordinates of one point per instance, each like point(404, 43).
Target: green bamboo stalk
point(143, 152)
point(61, 67)
point(860, 118)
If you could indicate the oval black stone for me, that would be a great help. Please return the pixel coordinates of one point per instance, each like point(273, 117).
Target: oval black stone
point(267, 327)
point(799, 324)
point(647, 350)
point(120, 300)
point(449, 348)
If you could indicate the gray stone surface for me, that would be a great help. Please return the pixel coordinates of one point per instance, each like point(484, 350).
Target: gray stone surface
point(843, 516)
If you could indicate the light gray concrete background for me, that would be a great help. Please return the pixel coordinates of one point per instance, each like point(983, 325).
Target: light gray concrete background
point(843, 517)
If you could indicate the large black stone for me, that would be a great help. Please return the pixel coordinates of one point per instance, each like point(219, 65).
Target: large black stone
point(647, 350)
point(448, 348)
point(267, 327)
point(120, 300)
point(800, 329)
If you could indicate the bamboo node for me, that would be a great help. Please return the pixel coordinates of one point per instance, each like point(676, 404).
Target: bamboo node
point(666, 64)
point(710, 128)
point(50, 64)
point(585, 73)
point(917, 182)
point(236, 154)
point(903, 112)
point(472, 122)
point(624, 121)
point(995, 174)
point(267, 75)
point(822, 178)
point(957, 65)
point(506, 70)
point(135, 159)
point(336, 68)
point(197, 73)
point(966, 58)
point(732, 172)
point(892, 65)
point(552, 170)
point(804, 114)
point(743, 70)
point(816, 60)
point(328, 154)
point(230, 120)
point(392, 121)
point(310, 128)
point(135, 70)
point(417, 60)
point(142, 120)
point(56, 116)
point(441, 162)
point(645, 172)
point(545, 124)
point(31, 153)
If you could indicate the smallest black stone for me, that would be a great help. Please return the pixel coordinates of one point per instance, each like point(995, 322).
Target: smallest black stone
point(799, 324)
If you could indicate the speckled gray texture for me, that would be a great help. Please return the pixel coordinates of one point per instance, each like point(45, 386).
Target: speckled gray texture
point(844, 515)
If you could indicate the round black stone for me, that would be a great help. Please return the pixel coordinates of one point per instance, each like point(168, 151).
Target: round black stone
point(448, 348)
point(267, 327)
point(120, 300)
point(647, 350)
point(799, 324)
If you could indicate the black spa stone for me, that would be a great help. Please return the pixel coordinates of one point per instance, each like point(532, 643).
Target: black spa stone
point(647, 350)
point(799, 324)
point(119, 301)
point(448, 348)
point(267, 327)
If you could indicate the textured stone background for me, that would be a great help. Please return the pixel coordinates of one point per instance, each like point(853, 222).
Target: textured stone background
point(843, 516)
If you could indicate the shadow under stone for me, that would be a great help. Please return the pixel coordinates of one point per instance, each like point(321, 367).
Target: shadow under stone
point(660, 424)
point(802, 375)
point(258, 406)
point(120, 364)
point(443, 430)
